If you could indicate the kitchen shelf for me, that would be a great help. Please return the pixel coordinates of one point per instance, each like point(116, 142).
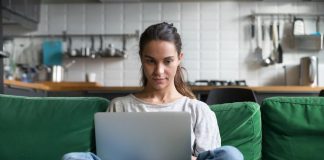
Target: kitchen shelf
point(65, 36)
point(284, 15)
point(110, 56)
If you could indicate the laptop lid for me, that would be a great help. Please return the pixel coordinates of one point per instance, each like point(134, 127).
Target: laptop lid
point(143, 136)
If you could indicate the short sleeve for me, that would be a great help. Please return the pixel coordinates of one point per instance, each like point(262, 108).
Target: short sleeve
point(115, 106)
point(207, 136)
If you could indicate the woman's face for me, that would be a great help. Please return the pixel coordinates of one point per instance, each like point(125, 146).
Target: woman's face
point(160, 60)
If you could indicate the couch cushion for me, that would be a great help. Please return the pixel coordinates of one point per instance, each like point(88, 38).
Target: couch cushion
point(293, 128)
point(240, 126)
point(46, 128)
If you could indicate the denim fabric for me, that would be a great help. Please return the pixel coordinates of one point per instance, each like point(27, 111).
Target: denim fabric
point(80, 156)
point(222, 153)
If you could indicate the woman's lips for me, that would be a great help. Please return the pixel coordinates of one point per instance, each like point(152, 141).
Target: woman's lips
point(159, 80)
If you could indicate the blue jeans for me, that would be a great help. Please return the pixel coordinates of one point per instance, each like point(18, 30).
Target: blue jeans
point(222, 153)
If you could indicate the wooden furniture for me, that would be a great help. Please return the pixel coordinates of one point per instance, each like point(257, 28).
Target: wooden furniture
point(46, 89)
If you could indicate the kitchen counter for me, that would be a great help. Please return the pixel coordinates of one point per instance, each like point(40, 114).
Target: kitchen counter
point(84, 86)
point(84, 89)
point(53, 86)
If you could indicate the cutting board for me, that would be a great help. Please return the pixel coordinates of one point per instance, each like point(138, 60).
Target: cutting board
point(52, 52)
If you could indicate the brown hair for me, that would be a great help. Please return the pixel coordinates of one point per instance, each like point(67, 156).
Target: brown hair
point(165, 32)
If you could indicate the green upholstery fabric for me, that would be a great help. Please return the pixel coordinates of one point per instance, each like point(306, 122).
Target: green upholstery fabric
point(240, 126)
point(293, 128)
point(46, 128)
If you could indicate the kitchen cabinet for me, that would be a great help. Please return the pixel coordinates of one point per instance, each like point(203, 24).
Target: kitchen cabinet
point(24, 13)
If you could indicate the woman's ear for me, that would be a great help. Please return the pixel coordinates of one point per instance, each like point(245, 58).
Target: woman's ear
point(180, 56)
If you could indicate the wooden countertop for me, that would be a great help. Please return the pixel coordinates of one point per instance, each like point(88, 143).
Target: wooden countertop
point(53, 86)
point(85, 86)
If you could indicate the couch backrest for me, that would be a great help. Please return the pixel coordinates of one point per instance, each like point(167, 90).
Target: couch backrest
point(293, 128)
point(240, 126)
point(47, 128)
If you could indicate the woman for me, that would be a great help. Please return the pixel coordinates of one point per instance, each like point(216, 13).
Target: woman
point(165, 90)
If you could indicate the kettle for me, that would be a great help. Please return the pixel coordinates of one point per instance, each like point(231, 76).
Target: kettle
point(309, 71)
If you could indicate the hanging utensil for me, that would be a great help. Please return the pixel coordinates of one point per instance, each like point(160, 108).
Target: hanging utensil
point(101, 51)
point(279, 49)
point(92, 48)
point(263, 31)
point(258, 49)
point(270, 28)
point(253, 28)
point(274, 54)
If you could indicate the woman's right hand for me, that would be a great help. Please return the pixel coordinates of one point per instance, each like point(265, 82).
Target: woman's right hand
point(193, 158)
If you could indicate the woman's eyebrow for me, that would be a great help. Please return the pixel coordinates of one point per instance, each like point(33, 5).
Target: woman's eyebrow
point(146, 56)
point(170, 57)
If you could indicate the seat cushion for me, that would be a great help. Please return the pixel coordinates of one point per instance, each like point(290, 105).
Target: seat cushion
point(240, 126)
point(47, 128)
point(293, 128)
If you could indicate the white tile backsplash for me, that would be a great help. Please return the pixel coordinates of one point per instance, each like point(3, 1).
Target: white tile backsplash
point(191, 64)
point(229, 75)
point(190, 36)
point(132, 12)
point(114, 27)
point(75, 18)
point(190, 25)
point(191, 55)
point(216, 37)
point(190, 11)
point(171, 11)
point(94, 19)
point(209, 11)
point(210, 74)
point(209, 25)
point(209, 55)
point(56, 18)
point(114, 12)
point(306, 7)
point(151, 12)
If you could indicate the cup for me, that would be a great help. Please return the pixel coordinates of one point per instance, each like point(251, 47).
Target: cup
point(111, 49)
point(91, 77)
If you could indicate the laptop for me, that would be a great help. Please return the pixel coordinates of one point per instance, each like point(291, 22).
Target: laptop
point(143, 136)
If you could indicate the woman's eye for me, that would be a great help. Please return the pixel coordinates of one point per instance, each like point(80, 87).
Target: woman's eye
point(168, 61)
point(149, 61)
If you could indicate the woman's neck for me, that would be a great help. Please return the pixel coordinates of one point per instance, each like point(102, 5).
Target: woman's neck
point(159, 96)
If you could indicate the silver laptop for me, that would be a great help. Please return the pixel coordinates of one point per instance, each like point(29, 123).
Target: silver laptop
point(143, 136)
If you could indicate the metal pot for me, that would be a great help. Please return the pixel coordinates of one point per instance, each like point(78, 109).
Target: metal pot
point(309, 71)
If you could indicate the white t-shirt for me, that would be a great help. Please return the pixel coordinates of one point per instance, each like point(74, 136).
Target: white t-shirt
point(204, 128)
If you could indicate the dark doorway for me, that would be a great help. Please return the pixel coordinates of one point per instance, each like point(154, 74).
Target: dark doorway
point(1, 55)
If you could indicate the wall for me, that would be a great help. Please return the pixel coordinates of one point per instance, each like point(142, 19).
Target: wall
point(216, 37)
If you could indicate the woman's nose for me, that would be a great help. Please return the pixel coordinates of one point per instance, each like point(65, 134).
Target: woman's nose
point(159, 69)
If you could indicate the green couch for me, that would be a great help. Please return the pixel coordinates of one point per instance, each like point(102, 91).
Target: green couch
point(47, 128)
point(291, 128)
